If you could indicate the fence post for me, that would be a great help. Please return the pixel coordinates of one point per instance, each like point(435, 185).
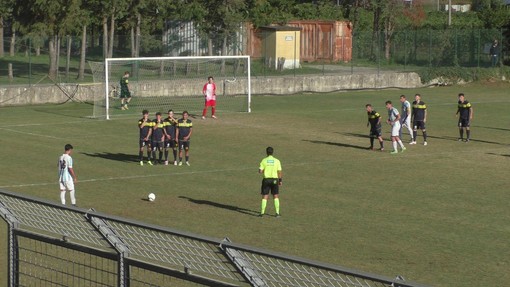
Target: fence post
point(430, 49)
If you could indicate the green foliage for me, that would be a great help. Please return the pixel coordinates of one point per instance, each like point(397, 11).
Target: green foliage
point(452, 75)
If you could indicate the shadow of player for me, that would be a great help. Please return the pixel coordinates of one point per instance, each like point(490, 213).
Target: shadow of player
point(221, 205)
point(337, 144)
point(123, 157)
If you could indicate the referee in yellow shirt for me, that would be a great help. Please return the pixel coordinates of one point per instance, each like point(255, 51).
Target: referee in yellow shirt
point(272, 170)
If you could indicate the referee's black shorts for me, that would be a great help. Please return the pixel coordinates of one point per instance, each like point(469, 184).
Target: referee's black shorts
point(269, 184)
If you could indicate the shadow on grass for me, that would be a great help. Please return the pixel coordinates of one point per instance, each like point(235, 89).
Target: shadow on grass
point(449, 138)
point(365, 136)
point(114, 156)
point(337, 144)
point(221, 205)
point(505, 155)
point(492, 128)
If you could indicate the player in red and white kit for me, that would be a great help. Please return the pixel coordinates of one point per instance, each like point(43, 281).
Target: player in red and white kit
point(209, 92)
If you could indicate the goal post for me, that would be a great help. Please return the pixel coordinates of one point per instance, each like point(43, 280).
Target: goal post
point(163, 83)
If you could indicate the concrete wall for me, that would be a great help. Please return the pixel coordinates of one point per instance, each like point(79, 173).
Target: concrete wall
point(41, 94)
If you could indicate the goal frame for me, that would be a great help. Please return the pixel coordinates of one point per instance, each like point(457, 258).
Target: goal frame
point(107, 74)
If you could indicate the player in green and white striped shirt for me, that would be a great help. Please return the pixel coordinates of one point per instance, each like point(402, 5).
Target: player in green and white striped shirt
point(66, 175)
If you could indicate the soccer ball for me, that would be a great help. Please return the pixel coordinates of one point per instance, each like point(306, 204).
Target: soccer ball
point(151, 197)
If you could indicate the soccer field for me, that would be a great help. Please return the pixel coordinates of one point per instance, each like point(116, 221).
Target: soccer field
point(436, 214)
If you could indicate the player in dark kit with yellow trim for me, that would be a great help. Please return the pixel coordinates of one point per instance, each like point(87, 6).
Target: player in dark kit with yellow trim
point(170, 124)
point(158, 137)
point(374, 120)
point(419, 118)
point(465, 113)
point(145, 126)
point(184, 131)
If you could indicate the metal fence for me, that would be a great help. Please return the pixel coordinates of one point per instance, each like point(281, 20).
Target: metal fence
point(409, 50)
point(54, 245)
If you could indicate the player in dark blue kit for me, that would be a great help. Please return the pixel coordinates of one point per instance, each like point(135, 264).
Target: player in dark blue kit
point(170, 124)
point(158, 137)
point(465, 114)
point(374, 120)
point(145, 126)
point(184, 131)
point(419, 118)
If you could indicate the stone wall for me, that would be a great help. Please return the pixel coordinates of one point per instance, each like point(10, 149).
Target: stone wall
point(41, 94)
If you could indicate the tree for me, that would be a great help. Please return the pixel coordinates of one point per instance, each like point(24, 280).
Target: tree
point(54, 18)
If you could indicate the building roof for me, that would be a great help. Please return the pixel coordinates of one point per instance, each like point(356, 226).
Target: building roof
point(280, 28)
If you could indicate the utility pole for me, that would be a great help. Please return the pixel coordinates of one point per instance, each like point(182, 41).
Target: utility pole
point(449, 12)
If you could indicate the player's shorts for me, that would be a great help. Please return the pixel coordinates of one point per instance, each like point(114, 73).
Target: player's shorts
point(395, 129)
point(125, 94)
point(183, 145)
point(210, 103)
point(144, 143)
point(170, 144)
point(464, 123)
point(269, 184)
point(419, 125)
point(67, 185)
point(157, 145)
point(406, 122)
point(375, 132)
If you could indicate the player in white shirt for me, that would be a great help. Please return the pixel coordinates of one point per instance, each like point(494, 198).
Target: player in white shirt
point(405, 117)
point(209, 91)
point(394, 122)
point(66, 175)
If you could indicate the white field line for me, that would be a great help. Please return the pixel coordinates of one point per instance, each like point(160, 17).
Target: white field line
point(408, 154)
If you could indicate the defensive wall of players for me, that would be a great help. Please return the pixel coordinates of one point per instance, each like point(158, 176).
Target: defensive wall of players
point(62, 92)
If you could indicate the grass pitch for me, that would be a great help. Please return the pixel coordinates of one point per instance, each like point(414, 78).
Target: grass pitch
point(436, 214)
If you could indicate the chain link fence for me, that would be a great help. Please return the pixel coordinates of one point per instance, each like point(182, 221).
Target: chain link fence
point(54, 245)
point(321, 50)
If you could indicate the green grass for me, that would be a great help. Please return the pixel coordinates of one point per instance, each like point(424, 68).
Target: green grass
point(436, 214)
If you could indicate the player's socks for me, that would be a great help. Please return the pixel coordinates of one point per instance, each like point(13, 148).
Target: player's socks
point(166, 155)
point(461, 133)
point(394, 145)
point(277, 205)
point(175, 155)
point(371, 143)
point(400, 143)
point(187, 158)
point(63, 197)
point(213, 111)
point(468, 134)
point(424, 136)
point(73, 198)
point(263, 206)
point(140, 155)
point(204, 112)
point(382, 144)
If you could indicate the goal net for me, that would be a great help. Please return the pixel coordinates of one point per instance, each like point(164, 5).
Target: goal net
point(163, 83)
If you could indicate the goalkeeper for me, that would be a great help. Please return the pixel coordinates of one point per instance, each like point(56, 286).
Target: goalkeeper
point(125, 92)
point(209, 91)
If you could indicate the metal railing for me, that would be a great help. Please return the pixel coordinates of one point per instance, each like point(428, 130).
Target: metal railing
point(54, 245)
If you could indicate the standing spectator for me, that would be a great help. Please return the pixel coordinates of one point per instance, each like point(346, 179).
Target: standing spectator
point(145, 126)
point(66, 175)
point(271, 168)
point(419, 118)
point(125, 91)
point(494, 53)
point(465, 113)
point(183, 133)
point(209, 92)
point(374, 120)
point(158, 137)
point(394, 122)
point(405, 117)
point(170, 124)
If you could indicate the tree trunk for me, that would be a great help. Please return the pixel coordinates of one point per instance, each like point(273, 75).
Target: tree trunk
point(13, 41)
point(112, 32)
point(209, 46)
point(81, 70)
point(133, 45)
point(52, 48)
point(223, 53)
point(68, 56)
point(1, 36)
point(138, 34)
point(105, 37)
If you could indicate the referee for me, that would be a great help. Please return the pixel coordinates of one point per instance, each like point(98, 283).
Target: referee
point(272, 170)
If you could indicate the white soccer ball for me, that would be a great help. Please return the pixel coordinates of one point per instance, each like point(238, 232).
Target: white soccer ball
point(151, 197)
